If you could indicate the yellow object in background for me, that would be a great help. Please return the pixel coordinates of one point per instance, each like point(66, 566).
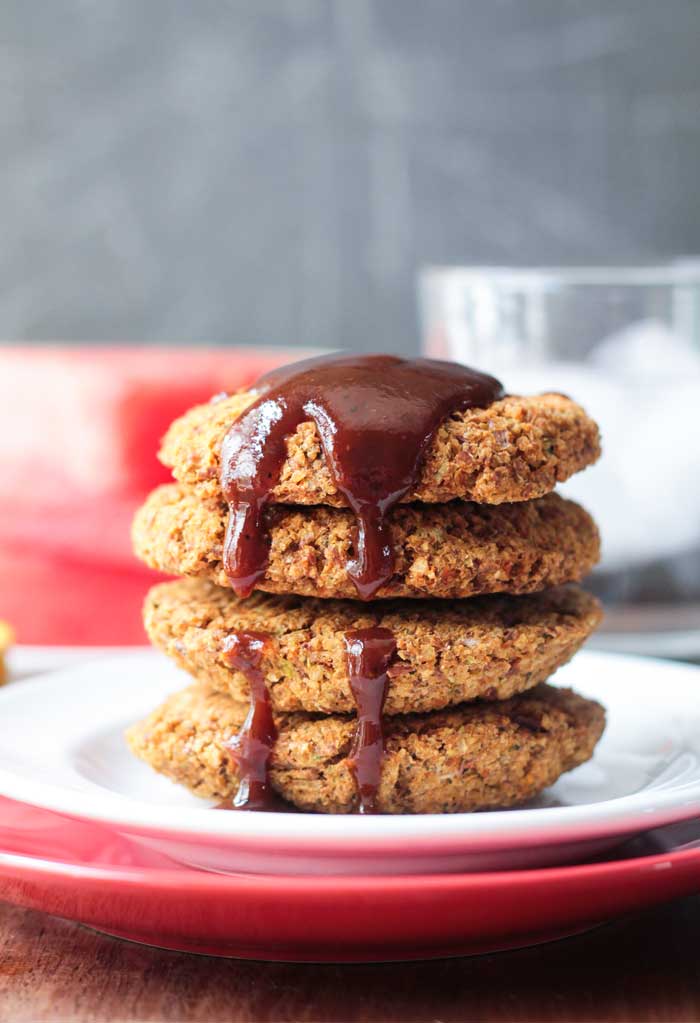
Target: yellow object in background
point(7, 638)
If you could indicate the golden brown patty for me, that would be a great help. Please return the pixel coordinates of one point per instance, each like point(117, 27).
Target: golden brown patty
point(475, 757)
point(448, 651)
point(450, 550)
point(515, 450)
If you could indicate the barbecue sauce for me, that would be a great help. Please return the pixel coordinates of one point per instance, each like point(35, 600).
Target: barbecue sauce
point(375, 416)
point(369, 654)
point(252, 747)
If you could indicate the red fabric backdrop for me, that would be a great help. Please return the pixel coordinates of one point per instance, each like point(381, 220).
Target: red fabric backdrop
point(79, 433)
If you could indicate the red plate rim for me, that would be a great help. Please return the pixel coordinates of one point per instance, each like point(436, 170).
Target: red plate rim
point(193, 880)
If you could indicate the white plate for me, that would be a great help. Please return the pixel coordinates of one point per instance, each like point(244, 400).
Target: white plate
point(29, 661)
point(62, 748)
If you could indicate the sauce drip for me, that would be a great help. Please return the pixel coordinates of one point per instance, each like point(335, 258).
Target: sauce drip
point(375, 415)
point(252, 748)
point(369, 653)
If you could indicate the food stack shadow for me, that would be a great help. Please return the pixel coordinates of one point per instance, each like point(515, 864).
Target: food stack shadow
point(430, 694)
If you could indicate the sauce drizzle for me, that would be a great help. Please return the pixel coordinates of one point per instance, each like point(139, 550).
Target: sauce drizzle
point(252, 747)
point(369, 653)
point(375, 415)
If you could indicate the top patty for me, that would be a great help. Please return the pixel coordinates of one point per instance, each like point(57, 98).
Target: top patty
point(514, 450)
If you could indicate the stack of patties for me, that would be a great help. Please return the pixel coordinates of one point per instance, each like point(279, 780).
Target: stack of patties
point(323, 486)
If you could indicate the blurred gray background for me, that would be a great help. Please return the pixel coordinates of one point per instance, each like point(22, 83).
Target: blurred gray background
point(275, 171)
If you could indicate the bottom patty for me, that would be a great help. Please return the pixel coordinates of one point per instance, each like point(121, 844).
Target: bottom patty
point(477, 756)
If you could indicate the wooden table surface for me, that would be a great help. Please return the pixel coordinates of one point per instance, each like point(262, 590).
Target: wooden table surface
point(646, 968)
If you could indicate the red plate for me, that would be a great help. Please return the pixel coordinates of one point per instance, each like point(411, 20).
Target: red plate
point(87, 873)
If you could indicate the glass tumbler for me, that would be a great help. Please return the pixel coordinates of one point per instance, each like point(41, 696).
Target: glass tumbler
point(625, 343)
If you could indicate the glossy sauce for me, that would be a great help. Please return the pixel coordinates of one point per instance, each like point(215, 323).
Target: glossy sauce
point(375, 416)
point(252, 747)
point(369, 654)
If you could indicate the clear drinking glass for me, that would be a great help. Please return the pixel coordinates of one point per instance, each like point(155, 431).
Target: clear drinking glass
point(625, 343)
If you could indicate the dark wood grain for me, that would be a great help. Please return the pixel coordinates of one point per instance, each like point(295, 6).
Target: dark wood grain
point(646, 968)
